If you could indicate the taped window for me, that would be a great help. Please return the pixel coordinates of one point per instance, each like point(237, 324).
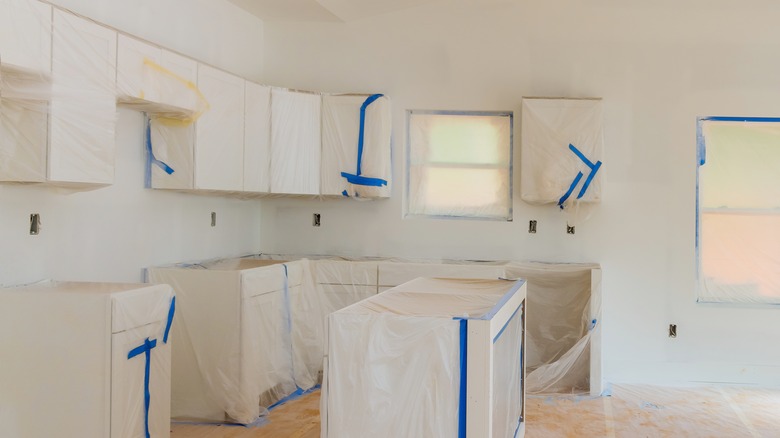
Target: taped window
point(738, 201)
point(459, 165)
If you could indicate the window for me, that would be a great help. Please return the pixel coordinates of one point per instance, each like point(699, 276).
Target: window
point(459, 165)
point(738, 200)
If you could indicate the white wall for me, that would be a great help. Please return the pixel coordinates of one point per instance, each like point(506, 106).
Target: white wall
point(111, 233)
point(658, 65)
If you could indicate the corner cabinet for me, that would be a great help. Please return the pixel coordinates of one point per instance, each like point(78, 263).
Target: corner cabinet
point(356, 132)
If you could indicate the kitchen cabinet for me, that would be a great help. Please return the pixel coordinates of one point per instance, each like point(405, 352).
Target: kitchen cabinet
point(295, 142)
point(67, 372)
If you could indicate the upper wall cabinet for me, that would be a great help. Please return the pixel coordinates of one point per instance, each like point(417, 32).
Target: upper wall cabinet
point(356, 132)
point(25, 35)
point(61, 129)
point(156, 80)
point(295, 142)
point(83, 103)
point(257, 138)
point(219, 132)
point(562, 148)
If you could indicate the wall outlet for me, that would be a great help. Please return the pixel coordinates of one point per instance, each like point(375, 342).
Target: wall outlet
point(35, 224)
point(213, 218)
point(315, 222)
point(672, 330)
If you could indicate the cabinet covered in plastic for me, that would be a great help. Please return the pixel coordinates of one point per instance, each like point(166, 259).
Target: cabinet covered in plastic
point(78, 358)
point(249, 333)
point(430, 358)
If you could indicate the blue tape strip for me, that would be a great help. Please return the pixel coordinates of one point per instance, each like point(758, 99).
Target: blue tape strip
point(462, 400)
point(571, 189)
point(145, 348)
point(361, 133)
point(150, 158)
point(589, 179)
point(295, 395)
point(501, 332)
point(171, 312)
point(363, 180)
point(594, 168)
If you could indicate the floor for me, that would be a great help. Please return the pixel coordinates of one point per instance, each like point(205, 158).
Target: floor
point(629, 412)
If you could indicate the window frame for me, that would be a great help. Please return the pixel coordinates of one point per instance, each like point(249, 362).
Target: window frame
point(408, 164)
point(701, 159)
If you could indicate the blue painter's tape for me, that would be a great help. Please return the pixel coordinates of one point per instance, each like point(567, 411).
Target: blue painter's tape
point(589, 179)
point(571, 189)
point(146, 349)
point(361, 133)
point(299, 392)
point(501, 332)
point(581, 156)
point(151, 159)
point(363, 180)
point(462, 400)
point(345, 193)
point(171, 312)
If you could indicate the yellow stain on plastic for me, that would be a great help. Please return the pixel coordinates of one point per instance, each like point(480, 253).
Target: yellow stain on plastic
point(176, 120)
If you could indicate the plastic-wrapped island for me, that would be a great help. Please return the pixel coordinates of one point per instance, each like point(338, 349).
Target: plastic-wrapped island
point(433, 357)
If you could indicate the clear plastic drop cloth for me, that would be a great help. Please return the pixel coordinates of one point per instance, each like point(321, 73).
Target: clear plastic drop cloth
point(356, 136)
point(95, 361)
point(562, 150)
point(57, 96)
point(560, 325)
point(295, 142)
point(249, 335)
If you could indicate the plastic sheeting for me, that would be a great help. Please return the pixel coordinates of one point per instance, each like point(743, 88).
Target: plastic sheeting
point(295, 142)
point(249, 334)
point(79, 359)
point(562, 149)
point(57, 96)
point(563, 322)
point(356, 131)
point(560, 326)
point(396, 361)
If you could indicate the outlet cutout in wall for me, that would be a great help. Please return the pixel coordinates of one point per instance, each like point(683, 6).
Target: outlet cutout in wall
point(532, 227)
point(35, 224)
point(672, 330)
point(569, 229)
point(315, 222)
point(213, 218)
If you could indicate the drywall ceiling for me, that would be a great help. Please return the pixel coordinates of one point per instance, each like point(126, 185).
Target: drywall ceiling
point(323, 10)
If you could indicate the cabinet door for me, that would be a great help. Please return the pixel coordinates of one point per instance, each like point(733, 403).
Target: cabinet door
point(219, 138)
point(25, 35)
point(266, 368)
point(136, 72)
point(23, 129)
point(257, 138)
point(128, 411)
point(178, 82)
point(295, 142)
point(83, 105)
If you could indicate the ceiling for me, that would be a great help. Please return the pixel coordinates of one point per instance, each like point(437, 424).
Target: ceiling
point(323, 10)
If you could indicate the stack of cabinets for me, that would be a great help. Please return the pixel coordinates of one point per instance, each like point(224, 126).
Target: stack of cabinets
point(63, 131)
point(65, 370)
point(227, 148)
